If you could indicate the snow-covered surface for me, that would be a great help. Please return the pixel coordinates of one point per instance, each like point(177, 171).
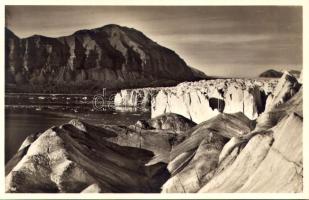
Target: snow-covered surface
point(135, 97)
point(286, 88)
point(202, 100)
point(265, 158)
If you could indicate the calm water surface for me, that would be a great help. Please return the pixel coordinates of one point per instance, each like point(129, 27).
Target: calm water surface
point(26, 120)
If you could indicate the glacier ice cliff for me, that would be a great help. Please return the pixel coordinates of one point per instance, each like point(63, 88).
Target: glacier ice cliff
point(201, 100)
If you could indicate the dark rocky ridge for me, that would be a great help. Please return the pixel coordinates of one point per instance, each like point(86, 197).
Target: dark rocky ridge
point(110, 56)
point(271, 74)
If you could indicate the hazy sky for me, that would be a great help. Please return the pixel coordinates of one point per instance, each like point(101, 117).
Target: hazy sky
point(227, 41)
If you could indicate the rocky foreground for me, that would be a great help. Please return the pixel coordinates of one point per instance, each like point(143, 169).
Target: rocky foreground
point(227, 152)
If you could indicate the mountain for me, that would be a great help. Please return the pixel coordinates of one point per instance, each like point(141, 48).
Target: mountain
point(271, 74)
point(198, 73)
point(111, 56)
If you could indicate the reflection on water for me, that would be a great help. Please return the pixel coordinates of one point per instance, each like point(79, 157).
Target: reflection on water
point(131, 109)
point(19, 125)
point(64, 103)
point(25, 116)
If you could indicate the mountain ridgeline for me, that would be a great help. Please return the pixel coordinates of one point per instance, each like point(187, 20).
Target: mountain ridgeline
point(111, 56)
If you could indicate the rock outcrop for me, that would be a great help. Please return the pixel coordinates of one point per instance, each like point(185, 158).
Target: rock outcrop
point(109, 56)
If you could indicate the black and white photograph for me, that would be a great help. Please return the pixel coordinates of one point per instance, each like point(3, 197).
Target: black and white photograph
point(153, 99)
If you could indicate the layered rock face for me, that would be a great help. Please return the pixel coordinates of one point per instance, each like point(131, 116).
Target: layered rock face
point(111, 55)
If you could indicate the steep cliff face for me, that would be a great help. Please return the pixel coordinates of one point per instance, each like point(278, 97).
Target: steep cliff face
point(135, 97)
point(199, 101)
point(111, 55)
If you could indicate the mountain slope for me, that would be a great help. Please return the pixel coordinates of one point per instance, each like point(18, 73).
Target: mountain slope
point(110, 56)
point(271, 74)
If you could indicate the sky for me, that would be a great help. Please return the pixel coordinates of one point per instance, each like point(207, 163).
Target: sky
point(234, 41)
